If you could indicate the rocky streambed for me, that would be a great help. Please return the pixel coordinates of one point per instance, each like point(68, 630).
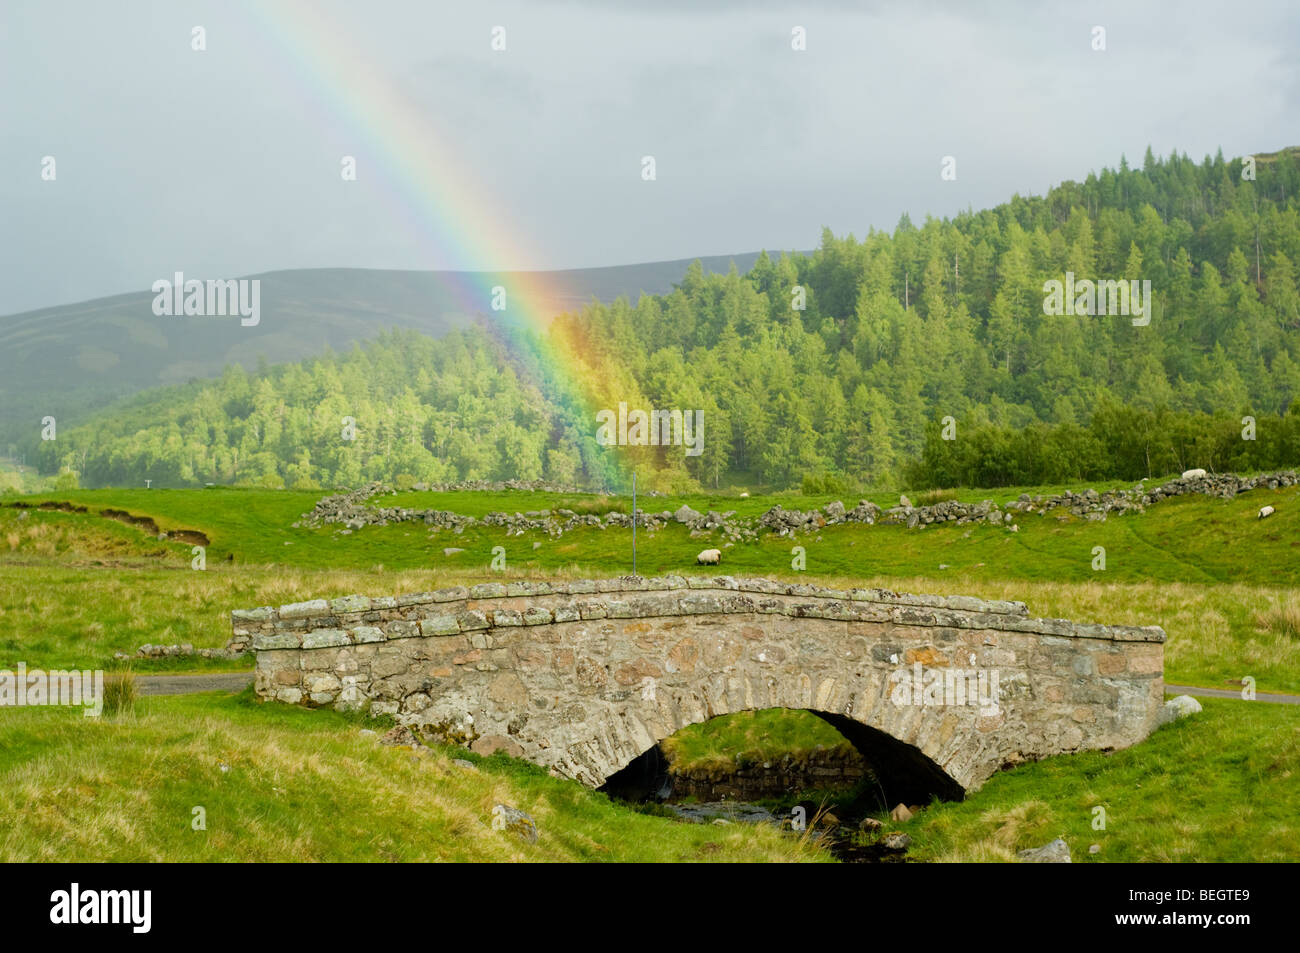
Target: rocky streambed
point(828, 795)
point(850, 832)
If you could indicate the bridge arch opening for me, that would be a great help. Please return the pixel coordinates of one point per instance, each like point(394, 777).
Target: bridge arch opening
point(896, 772)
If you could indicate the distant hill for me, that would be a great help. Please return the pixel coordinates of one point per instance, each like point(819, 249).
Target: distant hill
point(65, 361)
point(931, 354)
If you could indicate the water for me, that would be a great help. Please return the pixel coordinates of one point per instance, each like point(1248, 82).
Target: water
point(844, 840)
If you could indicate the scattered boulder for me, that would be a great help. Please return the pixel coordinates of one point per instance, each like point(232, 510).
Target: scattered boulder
point(506, 818)
point(1057, 852)
point(904, 501)
point(1179, 707)
point(462, 763)
point(1094, 848)
point(452, 551)
point(685, 514)
point(870, 825)
point(897, 841)
point(900, 813)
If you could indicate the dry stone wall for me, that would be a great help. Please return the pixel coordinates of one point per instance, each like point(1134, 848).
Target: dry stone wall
point(584, 676)
point(353, 511)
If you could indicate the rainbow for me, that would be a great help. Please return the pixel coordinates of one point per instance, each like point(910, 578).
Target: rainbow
point(447, 211)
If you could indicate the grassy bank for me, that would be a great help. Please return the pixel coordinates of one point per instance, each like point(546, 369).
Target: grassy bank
point(279, 783)
point(282, 784)
point(1220, 786)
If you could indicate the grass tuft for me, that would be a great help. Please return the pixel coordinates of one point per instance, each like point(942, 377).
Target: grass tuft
point(931, 497)
point(1282, 618)
point(120, 693)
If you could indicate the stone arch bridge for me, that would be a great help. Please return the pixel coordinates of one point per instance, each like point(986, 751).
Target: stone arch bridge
point(937, 692)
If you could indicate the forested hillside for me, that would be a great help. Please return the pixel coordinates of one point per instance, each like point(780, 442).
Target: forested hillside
point(896, 332)
point(69, 359)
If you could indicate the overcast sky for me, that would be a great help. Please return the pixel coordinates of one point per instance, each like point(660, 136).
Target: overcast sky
point(226, 161)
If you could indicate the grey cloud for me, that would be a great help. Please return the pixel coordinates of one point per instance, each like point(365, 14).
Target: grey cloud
point(226, 162)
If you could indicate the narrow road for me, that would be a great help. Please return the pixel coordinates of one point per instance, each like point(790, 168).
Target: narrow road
point(1224, 693)
point(188, 684)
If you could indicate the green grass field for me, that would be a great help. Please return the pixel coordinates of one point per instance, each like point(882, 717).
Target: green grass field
point(304, 786)
point(77, 587)
point(1188, 539)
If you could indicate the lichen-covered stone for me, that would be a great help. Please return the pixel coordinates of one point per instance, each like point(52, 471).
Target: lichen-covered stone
point(287, 640)
point(439, 625)
point(529, 589)
point(414, 599)
point(472, 619)
point(260, 614)
point(593, 610)
point(324, 638)
point(514, 821)
point(305, 610)
point(345, 604)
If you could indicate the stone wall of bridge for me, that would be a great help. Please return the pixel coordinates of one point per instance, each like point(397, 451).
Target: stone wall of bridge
point(584, 676)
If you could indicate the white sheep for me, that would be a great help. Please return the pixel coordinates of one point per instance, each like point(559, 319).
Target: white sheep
point(709, 557)
point(1266, 511)
point(1193, 474)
